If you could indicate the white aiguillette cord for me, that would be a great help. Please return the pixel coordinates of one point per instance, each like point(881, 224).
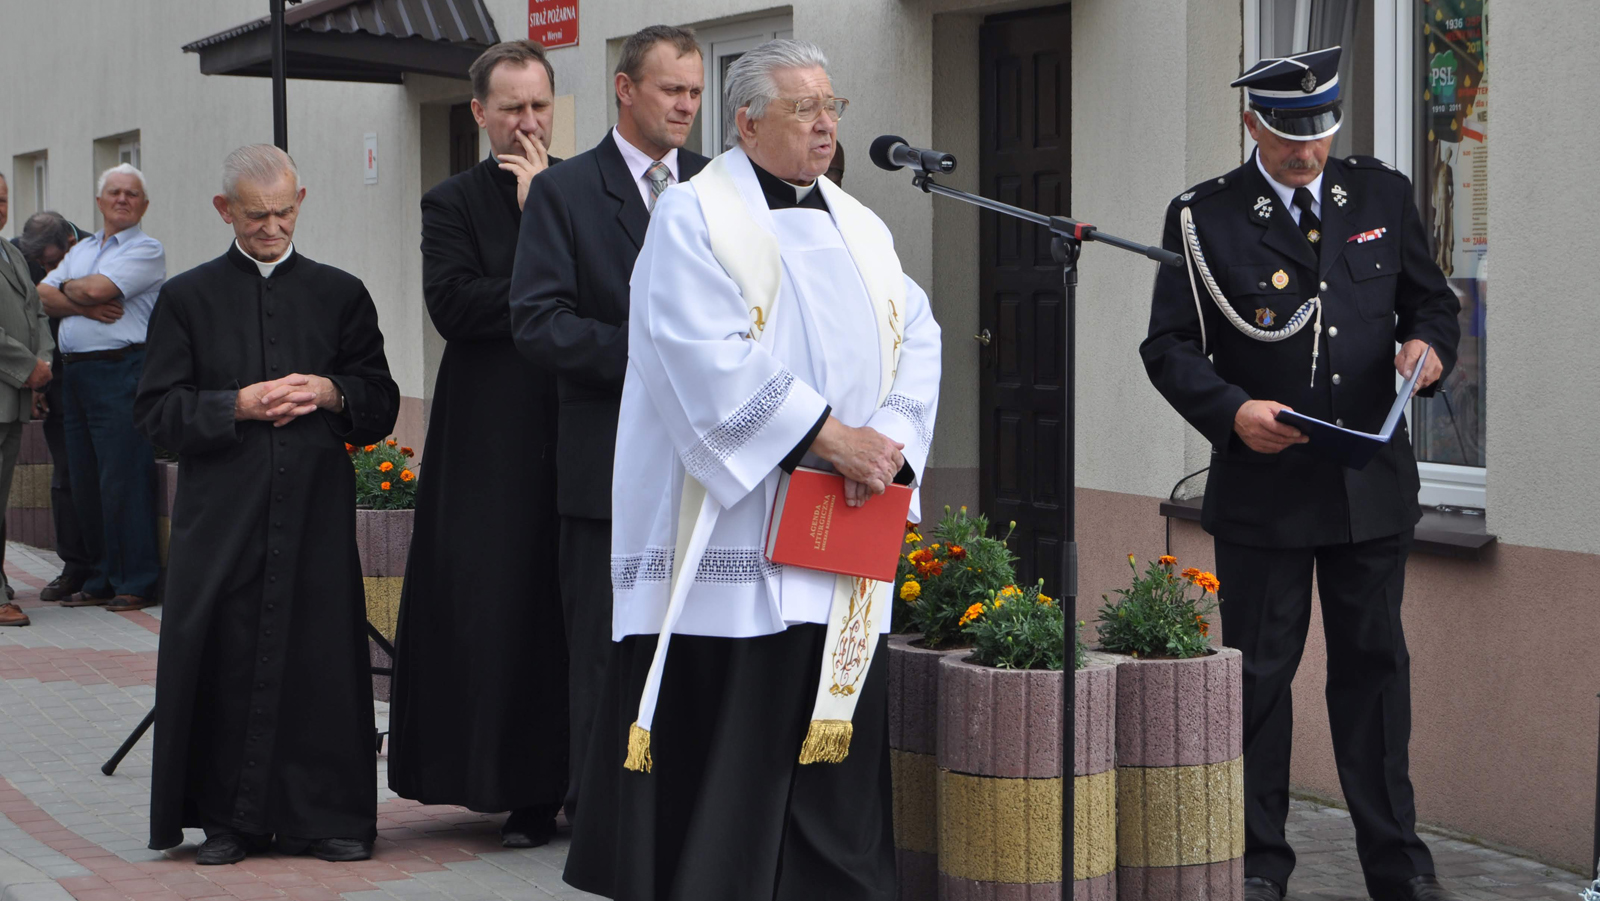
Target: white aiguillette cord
point(1197, 261)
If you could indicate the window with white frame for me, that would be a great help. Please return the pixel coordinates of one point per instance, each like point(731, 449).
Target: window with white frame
point(1417, 72)
point(41, 181)
point(720, 45)
point(128, 152)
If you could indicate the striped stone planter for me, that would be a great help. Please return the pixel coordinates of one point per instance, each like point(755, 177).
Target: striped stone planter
point(1000, 781)
point(384, 540)
point(1180, 778)
point(913, 744)
point(1094, 781)
point(27, 514)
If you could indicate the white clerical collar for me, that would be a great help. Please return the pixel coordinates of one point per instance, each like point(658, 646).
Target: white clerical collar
point(1286, 193)
point(639, 162)
point(801, 192)
point(266, 268)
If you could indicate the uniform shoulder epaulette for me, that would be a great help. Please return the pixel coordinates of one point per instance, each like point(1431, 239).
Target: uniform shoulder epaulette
point(1371, 163)
point(1207, 187)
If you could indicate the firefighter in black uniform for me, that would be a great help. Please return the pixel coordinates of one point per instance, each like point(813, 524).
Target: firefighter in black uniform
point(1302, 274)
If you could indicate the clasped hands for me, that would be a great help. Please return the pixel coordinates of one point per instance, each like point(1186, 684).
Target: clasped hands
point(282, 401)
point(866, 458)
point(1256, 422)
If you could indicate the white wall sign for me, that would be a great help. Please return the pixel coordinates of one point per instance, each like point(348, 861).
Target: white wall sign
point(371, 142)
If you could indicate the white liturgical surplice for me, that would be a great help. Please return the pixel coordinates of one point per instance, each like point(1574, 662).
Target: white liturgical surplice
point(702, 397)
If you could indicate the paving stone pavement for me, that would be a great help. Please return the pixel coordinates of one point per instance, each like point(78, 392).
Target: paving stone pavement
point(76, 682)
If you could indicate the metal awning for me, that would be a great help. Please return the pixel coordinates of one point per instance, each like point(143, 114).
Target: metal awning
point(357, 40)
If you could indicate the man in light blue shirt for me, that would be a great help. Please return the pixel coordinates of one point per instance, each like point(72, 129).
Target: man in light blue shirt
point(104, 291)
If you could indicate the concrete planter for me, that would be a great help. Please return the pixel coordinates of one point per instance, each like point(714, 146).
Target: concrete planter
point(1000, 783)
point(1180, 778)
point(913, 744)
point(384, 540)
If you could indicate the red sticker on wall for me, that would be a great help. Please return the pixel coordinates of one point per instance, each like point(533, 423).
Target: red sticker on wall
point(553, 23)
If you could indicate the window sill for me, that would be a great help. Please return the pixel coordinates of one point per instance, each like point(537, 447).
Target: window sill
point(1450, 534)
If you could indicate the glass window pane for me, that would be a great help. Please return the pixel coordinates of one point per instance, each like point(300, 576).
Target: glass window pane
point(1452, 182)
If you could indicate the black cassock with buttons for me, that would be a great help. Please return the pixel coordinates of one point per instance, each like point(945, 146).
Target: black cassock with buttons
point(1279, 518)
point(264, 718)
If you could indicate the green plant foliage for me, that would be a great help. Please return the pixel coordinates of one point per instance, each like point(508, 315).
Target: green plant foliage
point(380, 488)
point(1020, 628)
point(1156, 617)
point(938, 581)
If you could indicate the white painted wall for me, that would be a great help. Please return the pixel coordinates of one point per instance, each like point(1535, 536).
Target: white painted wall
point(123, 69)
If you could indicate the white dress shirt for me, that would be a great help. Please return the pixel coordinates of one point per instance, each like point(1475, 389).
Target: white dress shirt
point(1286, 194)
point(640, 162)
point(136, 263)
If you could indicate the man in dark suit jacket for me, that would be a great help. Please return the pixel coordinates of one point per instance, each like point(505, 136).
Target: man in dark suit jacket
point(581, 230)
point(1309, 270)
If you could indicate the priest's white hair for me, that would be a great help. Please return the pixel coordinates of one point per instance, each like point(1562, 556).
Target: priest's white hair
point(120, 169)
point(749, 84)
point(259, 163)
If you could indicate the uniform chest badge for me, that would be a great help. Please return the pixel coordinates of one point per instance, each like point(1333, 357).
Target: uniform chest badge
point(1280, 280)
point(1265, 317)
point(1186, 196)
point(1314, 236)
point(1366, 236)
point(1263, 207)
point(1339, 195)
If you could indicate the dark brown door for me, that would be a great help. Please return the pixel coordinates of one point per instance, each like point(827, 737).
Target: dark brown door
point(463, 139)
point(1026, 160)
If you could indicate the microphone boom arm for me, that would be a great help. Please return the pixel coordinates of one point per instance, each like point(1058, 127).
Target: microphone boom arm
point(1067, 229)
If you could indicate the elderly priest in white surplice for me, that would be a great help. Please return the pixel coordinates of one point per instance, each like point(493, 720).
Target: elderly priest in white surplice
point(770, 326)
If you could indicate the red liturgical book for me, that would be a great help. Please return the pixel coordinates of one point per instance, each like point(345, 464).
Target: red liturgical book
point(813, 528)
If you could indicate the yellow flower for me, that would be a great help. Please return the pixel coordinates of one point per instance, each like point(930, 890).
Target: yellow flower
point(1131, 561)
point(913, 538)
point(1044, 599)
point(973, 612)
point(910, 591)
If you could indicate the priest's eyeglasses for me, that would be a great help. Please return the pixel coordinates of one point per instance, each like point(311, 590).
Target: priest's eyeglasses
point(808, 109)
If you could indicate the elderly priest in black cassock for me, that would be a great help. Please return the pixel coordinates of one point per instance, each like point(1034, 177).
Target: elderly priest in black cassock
point(261, 365)
point(479, 711)
point(737, 756)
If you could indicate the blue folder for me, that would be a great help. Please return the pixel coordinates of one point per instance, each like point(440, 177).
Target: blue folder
point(1348, 447)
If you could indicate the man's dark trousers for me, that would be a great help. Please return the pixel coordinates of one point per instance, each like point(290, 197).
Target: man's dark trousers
point(585, 574)
point(70, 546)
point(1266, 611)
point(113, 475)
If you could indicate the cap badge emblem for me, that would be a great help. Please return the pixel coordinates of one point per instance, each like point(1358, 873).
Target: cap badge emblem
point(1264, 317)
point(1339, 195)
point(1309, 82)
point(1280, 280)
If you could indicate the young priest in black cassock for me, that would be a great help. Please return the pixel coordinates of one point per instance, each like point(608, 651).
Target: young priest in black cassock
point(261, 365)
point(479, 710)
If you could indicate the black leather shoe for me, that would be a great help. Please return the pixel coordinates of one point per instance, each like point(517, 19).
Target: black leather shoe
point(1258, 888)
point(338, 850)
point(60, 588)
point(229, 847)
point(525, 829)
point(1425, 888)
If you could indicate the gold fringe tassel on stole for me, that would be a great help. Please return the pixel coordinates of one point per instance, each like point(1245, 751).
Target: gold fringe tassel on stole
point(827, 741)
point(638, 749)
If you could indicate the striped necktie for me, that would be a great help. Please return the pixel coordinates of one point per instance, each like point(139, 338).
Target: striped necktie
point(657, 173)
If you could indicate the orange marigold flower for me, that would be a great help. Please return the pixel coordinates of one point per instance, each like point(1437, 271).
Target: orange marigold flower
point(910, 526)
point(973, 612)
point(385, 486)
point(920, 555)
point(385, 466)
point(348, 446)
point(408, 451)
point(393, 443)
point(957, 552)
point(370, 448)
point(1191, 574)
point(1207, 582)
point(1010, 591)
point(936, 568)
point(1205, 627)
point(1168, 560)
point(407, 475)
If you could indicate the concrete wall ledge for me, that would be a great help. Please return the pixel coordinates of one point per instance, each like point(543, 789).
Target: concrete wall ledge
point(1442, 533)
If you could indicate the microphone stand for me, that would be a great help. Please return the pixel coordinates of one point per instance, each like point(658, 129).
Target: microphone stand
point(1066, 243)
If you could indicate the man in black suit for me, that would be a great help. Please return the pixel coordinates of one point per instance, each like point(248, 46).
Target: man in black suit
point(1306, 271)
point(581, 230)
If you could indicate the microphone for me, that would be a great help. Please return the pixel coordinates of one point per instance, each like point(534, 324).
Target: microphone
point(892, 152)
